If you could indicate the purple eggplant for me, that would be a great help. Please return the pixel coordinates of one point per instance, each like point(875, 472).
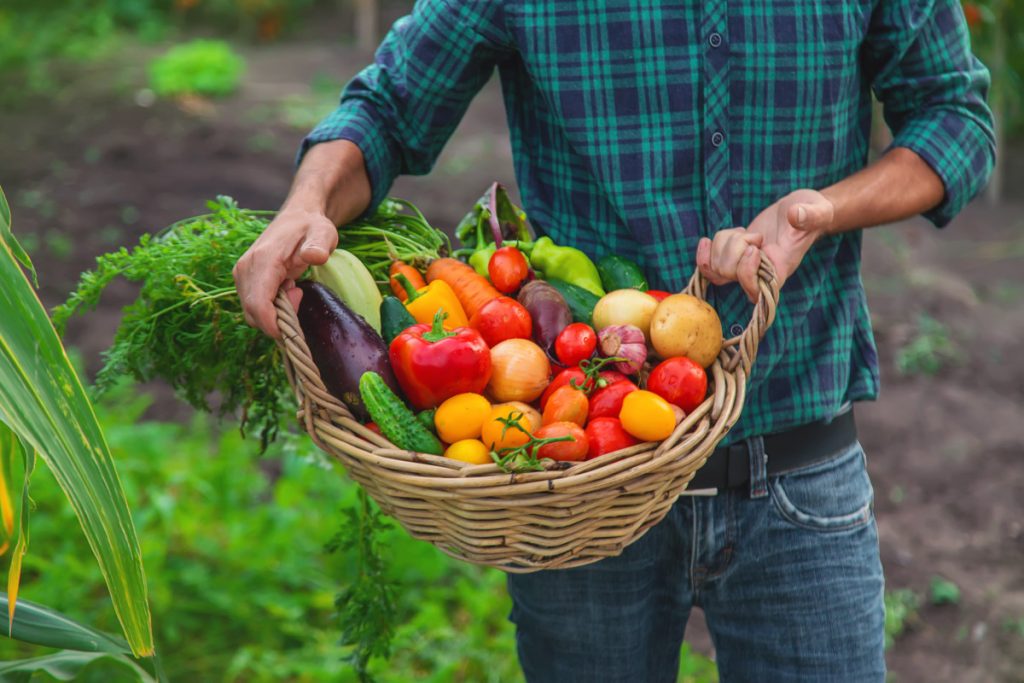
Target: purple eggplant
point(343, 346)
point(549, 311)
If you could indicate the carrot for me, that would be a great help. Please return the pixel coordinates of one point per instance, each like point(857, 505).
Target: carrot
point(472, 290)
point(405, 269)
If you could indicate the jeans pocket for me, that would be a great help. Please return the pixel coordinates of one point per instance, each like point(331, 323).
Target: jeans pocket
point(834, 495)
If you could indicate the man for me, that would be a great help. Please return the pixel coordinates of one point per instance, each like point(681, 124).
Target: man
point(653, 129)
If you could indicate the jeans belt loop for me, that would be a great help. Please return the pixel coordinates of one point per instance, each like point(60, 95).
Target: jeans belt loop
point(758, 463)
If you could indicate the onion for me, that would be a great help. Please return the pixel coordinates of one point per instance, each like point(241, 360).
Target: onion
point(519, 371)
point(624, 341)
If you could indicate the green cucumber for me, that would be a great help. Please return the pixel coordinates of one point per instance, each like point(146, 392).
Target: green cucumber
point(394, 318)
point(396, 421)
point(581, 302)
point(426, 418)
point(618, 272)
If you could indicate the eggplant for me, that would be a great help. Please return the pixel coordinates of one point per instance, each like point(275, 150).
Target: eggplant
point(549, 311)
point(343, 346)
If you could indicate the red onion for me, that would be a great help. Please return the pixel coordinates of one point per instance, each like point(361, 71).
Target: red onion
point(626, 342)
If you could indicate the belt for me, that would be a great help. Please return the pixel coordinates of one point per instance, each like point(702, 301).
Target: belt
point(729, 466)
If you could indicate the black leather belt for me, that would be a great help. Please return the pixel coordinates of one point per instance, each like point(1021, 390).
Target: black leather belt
point(729, 466)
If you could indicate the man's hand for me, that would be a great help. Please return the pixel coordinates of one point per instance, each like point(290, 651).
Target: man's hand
point(293, 241)
point(785, 231)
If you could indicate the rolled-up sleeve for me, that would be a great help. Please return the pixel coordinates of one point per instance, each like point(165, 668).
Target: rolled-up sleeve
point(933, 92)
point(402, 109)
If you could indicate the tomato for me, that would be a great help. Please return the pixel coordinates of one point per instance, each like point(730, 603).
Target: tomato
point(563, 450)
point(647, 416)
point(605, 434)
point(461, 417)
point(607, 402)
point(372, 426)
point(496, 436)
point(658, 294)
point(575, 343)
point(472, 451)
point(507, 269)
point(679, 381)
point(566, 404)
point(500, 319)
point(570, 375)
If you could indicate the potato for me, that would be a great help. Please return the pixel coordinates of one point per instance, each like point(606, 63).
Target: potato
point(625, 307)
point(683, 325)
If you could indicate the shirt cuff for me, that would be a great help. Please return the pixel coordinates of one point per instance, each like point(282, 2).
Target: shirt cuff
point(355, 121)
point(960, 151)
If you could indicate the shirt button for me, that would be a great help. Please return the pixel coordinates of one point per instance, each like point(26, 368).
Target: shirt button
point(715, 39)
point(736, 330)
point(717, 139)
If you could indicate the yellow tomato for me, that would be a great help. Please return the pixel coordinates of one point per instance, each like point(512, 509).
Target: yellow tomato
point(461, 417)
point(496, 436)
point(647, 416)
point(472, 451)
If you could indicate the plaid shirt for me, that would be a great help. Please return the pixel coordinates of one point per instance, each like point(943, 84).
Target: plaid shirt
point(639, 126)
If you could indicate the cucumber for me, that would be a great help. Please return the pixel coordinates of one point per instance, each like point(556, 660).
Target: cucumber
point(581, 302)
point(394, 318)
point(346, 276)
point(396, 421)
point(426, 418)
point(618, 272)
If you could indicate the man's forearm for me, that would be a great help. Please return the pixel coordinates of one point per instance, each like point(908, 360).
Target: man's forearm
point(331, 180)
point(897, 186)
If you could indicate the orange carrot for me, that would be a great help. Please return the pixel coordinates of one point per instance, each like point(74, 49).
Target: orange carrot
point(472, 290)
point(405, 269)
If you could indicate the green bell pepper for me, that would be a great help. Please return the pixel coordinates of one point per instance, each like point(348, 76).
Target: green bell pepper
point(566, 263)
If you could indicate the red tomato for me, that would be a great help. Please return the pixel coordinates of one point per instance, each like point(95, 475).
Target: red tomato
point(607, 402)
point(507, 269)
point(658, 294)
point(575, 343)
point(680, 381)
point(372, 426)
point(605, 434)
point(563, 450)
point(500, 319)
point(570, 374)
point(566, 404)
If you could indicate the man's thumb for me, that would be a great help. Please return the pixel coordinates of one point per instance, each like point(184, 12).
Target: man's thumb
point(810, 216)
point(319, 243)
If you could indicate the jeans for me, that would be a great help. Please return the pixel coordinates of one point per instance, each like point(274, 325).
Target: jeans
point(787, 571)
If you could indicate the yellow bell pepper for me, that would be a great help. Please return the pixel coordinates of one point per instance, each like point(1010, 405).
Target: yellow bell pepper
point(423, 303)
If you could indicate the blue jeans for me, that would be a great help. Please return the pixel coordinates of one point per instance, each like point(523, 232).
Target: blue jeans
point(786, 570)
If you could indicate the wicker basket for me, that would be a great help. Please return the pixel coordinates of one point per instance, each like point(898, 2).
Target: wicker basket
point(525, 522)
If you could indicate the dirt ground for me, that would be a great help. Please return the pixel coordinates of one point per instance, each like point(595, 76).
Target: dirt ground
point(92, 167)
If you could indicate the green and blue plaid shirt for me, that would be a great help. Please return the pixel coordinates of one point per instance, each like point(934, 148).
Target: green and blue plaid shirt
point(639, 126)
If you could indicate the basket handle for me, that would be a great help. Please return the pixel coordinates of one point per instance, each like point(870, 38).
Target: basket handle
point(746, 342)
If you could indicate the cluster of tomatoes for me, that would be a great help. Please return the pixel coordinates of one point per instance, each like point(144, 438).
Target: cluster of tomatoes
point(586, 409)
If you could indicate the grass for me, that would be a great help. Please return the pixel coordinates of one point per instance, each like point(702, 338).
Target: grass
point(900, 612)
point(929, 350)
point(241, 584)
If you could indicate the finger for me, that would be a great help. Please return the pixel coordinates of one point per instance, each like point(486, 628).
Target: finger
point(754, 238)
point(295, 296)
point(320, 240)
point(259, 299)
point(811, 217)
point(726, 252)
point(747, 272)
point(704, 255)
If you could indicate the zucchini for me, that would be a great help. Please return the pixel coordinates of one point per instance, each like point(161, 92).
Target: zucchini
point(618, 272)
point(396, 421)
point(581, 302)
point(394, 318)
point(346, 276)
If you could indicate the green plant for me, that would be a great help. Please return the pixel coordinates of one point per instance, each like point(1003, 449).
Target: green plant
point(900, 612)
point(199, 67)
point(943, 592)
point(929, 350)
point(44, 411)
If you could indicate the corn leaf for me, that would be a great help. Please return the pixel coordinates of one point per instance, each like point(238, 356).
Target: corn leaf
point(66, 666)
point(39, 625)
point(42, 401)
point(12, 450)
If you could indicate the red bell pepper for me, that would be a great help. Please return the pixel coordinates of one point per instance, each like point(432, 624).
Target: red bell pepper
point(433, 364)
point(607, 402)
point(605, 434)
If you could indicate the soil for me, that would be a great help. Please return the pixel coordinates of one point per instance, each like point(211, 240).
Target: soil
point(92, 167)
